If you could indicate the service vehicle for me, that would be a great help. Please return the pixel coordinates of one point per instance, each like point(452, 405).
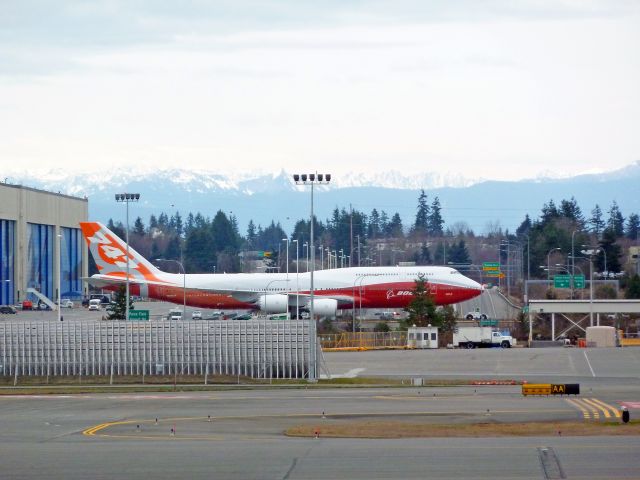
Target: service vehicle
point(196, 315)
point(479, 337)
point(175, 314)
point(95, 304)
point(27, 305)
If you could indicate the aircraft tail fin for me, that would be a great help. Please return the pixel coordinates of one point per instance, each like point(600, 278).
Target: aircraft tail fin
point(110, 254)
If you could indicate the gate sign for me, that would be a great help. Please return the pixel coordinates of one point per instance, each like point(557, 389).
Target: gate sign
point(562, 281)
point(138, 314)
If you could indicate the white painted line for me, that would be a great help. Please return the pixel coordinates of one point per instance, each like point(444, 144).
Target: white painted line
point(588, 363)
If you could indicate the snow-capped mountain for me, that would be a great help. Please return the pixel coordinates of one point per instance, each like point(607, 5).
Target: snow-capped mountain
point(263, 196)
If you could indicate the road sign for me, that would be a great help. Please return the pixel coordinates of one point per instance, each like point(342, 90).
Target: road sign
point(578, 281)
point(562, 281)
point(138, 314)
point(496, 274)
point(488, 323)
point(491, 266)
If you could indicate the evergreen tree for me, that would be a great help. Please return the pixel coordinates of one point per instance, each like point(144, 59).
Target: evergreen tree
point(117, 228)
point(524, 227)
point(153, 222)
point(177, 223)
point(596, 222)
point(423, 257)
point(616, 220)
point(251, 234)
point(191, 224)
point(138, 227)
point(395, 226)
point(633, 227)
point(613, 253)
point(374, 225)
point(549, 212)
point(117, 309)
point(435, 221)
point(421, 224)
point(459, 253)
point(384, 224)
point(633, 287)
point(422, 309)
point(570, 209)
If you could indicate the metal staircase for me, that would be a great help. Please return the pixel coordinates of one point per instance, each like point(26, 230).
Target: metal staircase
point(42, 298)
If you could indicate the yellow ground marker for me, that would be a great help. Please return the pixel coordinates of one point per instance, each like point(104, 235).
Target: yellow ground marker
point(585, 412)
point(614, 410)
point(605, 411)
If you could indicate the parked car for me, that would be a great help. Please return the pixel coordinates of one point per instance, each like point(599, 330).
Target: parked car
point(196, 315)
point(43, 306)
point(66, 303)
point(245, 316)
point(476, 315)
point(8, 309)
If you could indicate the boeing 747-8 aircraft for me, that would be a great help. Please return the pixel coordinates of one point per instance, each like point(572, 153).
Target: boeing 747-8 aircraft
point(365, 287)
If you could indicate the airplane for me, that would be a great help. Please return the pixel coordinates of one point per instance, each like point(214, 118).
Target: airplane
point(354, 287)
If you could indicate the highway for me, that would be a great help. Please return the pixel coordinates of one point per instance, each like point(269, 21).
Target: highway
point(116, 436)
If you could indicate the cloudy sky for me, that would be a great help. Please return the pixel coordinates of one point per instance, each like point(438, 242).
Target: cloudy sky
point(492, 89)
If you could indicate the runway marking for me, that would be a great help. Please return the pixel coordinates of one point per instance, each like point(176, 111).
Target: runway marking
point(588, 363)
point(631, 404)
point(592, 407)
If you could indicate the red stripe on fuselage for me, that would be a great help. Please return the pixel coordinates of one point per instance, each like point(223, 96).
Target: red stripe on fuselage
point(383, 295)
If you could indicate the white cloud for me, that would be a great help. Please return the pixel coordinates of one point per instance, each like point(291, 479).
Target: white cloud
point(502, 93)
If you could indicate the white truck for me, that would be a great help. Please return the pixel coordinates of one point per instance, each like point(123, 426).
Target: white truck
point(472, 337)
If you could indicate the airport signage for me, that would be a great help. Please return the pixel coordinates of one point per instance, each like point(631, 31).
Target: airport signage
point(562, 281)
point(496, 274)
point(140, 315)
point(551, 389)
point(488, 266)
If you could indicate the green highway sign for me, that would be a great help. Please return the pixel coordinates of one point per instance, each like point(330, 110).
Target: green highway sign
point(578, 281)
point(562, 281)
point(138, 314)
point(488, 323)
point(491, 266)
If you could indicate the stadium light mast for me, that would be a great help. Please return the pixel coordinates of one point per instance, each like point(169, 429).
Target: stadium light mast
point(312, 179)
point(127, 198)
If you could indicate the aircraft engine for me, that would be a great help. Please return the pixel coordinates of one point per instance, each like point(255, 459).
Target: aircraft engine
point(274, 303)
point(324, 307)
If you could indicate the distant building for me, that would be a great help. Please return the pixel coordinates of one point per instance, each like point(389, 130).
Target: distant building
point(30, 222)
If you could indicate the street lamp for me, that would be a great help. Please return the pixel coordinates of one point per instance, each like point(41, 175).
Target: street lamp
point(604, 252)
point(593, 251)
point(127, 198)
point(59, 274)
point(287, 258)
point(312, 179)
point(297, 280)
point(549, 262)
point(305, 249)
point(184, 284)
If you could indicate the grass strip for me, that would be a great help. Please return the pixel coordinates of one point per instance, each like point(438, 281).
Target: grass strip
point(388, 429)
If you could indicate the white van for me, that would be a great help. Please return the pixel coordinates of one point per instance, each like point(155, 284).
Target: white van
point(94, 304)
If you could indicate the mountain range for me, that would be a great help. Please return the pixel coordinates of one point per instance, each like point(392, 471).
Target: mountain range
point(482, 204)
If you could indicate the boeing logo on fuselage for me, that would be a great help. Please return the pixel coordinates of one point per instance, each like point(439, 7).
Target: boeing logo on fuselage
point(399, 293)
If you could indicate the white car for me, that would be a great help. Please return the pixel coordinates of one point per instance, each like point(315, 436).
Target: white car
point(66, 303)
point(196, 315)
point(476, 316)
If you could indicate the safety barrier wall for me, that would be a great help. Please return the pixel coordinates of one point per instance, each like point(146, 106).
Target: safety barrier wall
point(254, 348)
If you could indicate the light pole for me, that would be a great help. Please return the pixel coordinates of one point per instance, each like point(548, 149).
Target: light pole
point(341, 258)
point(312, 179)
point(549, 262)
point(127, 198)
point(287, 258)
point(305, 249)
point(593, 251)
point(59, 274)
point(184, 284)
point(358, 236)
point(297, 280)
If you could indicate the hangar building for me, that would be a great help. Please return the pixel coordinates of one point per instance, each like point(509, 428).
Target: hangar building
point(39, 237)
